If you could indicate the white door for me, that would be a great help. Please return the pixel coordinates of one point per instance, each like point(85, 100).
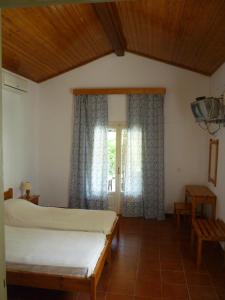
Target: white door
point(116, 152)
point(2, 248)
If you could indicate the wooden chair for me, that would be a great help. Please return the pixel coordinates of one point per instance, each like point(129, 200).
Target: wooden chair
point(200, 202)
point(181, 208)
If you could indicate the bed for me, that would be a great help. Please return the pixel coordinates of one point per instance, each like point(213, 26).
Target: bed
point(27, 267)
point(22, 213)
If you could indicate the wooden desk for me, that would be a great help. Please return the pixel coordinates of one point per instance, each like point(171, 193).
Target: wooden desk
point(200, 194)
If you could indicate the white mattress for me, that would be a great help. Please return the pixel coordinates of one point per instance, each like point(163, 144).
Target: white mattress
point(53, 248)
point(22, 213)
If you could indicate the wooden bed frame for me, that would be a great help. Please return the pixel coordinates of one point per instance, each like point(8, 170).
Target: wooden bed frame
point(56, 278)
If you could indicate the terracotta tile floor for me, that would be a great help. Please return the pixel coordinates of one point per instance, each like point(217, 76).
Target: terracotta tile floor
point(153, 261)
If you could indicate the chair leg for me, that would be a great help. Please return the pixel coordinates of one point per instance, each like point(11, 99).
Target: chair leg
point(178, 220)
point(199, 252)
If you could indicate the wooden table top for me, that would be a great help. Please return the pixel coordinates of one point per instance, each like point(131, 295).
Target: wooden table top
point(199, 191)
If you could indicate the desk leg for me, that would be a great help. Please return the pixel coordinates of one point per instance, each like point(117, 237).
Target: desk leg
point(186, 197)
point(192, 238)
point(199, 252)
point(193, 210)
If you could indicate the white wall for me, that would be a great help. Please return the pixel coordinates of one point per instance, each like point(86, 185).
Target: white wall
point(217, 88)
point(20, 138)
point(185, 158)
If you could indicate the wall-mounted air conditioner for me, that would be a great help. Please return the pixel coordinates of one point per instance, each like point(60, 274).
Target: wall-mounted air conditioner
point(14, 82)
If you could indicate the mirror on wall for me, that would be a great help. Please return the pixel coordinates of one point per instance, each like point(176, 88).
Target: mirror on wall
point(213, 160)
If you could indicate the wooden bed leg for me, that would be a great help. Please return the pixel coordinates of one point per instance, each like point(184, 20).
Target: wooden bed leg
point(109, 257)
point(93, 289)
point(118, 235)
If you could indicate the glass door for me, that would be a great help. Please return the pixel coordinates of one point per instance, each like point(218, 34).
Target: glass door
point(116, 160)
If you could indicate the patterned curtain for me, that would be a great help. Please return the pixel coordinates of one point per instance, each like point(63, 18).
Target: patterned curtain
point(144, 166)
point(88, 185)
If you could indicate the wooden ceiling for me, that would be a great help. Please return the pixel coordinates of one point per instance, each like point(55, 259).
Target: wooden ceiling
point(42, 42)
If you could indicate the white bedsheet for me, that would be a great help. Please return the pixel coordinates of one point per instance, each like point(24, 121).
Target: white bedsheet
point(22, 213)
point(53, 248)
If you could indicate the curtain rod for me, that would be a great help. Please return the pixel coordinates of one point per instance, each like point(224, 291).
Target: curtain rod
point(119, 91)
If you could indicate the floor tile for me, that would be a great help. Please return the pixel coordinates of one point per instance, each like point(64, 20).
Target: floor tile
point(148, 288)
point(118, 297)
point(171, 264)
point(202, 293)
point(173, 277)
point(218, 280)
point(175, 291)
point(148, 298)
point(198, 279)
point(149, 274)
point(221, 293)
point(85, 296)
point(190, 266)
point(121, 287)
point(149, 264)
point(131, 275)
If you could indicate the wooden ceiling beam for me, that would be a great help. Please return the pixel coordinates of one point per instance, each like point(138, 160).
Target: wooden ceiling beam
point(109, 18)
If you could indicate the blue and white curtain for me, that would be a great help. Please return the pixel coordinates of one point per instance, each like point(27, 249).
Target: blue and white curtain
point(88, 184)
point(144, 166)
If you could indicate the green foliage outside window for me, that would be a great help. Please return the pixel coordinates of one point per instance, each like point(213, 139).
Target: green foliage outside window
point(111, 157)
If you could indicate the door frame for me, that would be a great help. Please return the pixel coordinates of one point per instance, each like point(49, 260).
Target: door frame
point(3, 294)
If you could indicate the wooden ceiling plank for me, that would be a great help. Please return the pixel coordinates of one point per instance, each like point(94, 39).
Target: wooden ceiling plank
point(216, 38)
point(30, 68)
point(60, 37)
point(39, 65)
point(34, 35)
point(169, 62)
point(90, 27)
point(176, 32)
point(73, 67)
point(47, 41)
point(109, 18)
